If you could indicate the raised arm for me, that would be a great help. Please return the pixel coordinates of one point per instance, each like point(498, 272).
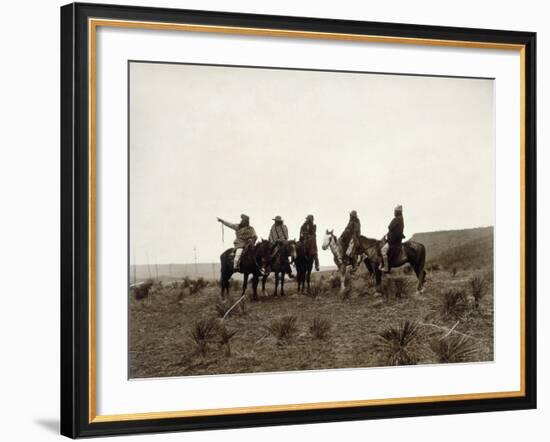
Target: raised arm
point(228, 224)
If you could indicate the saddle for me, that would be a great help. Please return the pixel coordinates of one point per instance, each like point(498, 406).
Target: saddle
point(246, 251)
point(396, 253)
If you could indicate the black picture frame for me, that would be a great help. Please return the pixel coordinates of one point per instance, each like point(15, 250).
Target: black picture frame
point(75, 220)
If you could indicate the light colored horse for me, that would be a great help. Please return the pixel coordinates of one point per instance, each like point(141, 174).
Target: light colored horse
point(331, 242)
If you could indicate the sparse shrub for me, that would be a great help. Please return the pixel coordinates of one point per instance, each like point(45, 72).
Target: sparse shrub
point(142, 291)
point(202, 334)
point(224, 338)
point(453, 304)
point(221, 308)
point(398, 286)
point(196, 286)
point(453, 349)
point(185, 282)
point(320, 327)
point(477, 286)
point(335, 281)
point(236, 285)
point(346, 294)
point(315, 290)
point(453, 272)
point(180, 295)
point(283, 329)
point(401, 344)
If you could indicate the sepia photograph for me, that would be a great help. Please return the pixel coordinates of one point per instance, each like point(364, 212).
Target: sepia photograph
point(295, 219)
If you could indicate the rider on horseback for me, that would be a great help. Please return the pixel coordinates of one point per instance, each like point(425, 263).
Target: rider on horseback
point(308, 231)
point(392, 240)
point(349, 240)
point(245, 236)
point(278, 235)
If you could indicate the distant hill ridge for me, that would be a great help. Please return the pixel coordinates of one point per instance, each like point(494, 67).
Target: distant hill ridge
point(465, 248)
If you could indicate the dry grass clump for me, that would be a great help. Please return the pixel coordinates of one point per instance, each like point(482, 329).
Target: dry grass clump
point(398, 286)
point(185, 282)
point(236, 285)
point(196, 286)
point(477, 287)
point(453, 304)
point(335, 281)
point(221, 308)
point(454, 349)
point(224, 339)
point(320, 327)
point(283, 329)
point(315, 290)
point(202, 334)
point(401, 344)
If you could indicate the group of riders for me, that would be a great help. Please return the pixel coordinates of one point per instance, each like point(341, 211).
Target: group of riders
point(349, 240)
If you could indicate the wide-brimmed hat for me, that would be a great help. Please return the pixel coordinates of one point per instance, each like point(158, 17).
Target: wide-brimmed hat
point(353, 213)
point(309, 217)
point(245, 217)
point(399, 208)
point(278, 218)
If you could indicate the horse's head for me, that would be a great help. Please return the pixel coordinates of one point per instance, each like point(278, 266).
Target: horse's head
point(329, 237)
point(291, 249)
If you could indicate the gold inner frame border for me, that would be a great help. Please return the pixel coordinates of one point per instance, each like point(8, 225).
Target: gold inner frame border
point(93, 24)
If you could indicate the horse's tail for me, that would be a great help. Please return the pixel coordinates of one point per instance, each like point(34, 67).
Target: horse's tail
point(417, 253)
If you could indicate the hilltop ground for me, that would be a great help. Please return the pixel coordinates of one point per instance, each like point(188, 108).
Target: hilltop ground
point(177, 329)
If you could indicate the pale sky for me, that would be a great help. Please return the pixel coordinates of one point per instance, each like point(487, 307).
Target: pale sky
point(209, 141)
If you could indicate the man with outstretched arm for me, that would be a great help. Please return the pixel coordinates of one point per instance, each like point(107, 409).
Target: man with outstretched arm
point(244, 235)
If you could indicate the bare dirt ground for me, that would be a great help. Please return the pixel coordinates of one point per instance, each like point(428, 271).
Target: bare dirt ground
point(360, 330)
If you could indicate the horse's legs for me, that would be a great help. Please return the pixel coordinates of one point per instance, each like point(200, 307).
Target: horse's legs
point(245, 282)
point(344, 273)
point(378, 280)
point(255, 281)
point(421, 275)
point(264, 279)
point(282, 283)
point(308, 278)
point(276, 283)
point(224, 283)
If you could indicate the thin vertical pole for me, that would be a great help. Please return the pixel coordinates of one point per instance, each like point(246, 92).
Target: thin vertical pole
point(195, 252)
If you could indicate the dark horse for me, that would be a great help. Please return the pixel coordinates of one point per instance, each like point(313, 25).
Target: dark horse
point(305, 255)
point(278, 264)
point(253, 259)
point(411, 252)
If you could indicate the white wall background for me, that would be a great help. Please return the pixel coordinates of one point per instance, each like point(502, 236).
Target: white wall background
point(29, 227)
